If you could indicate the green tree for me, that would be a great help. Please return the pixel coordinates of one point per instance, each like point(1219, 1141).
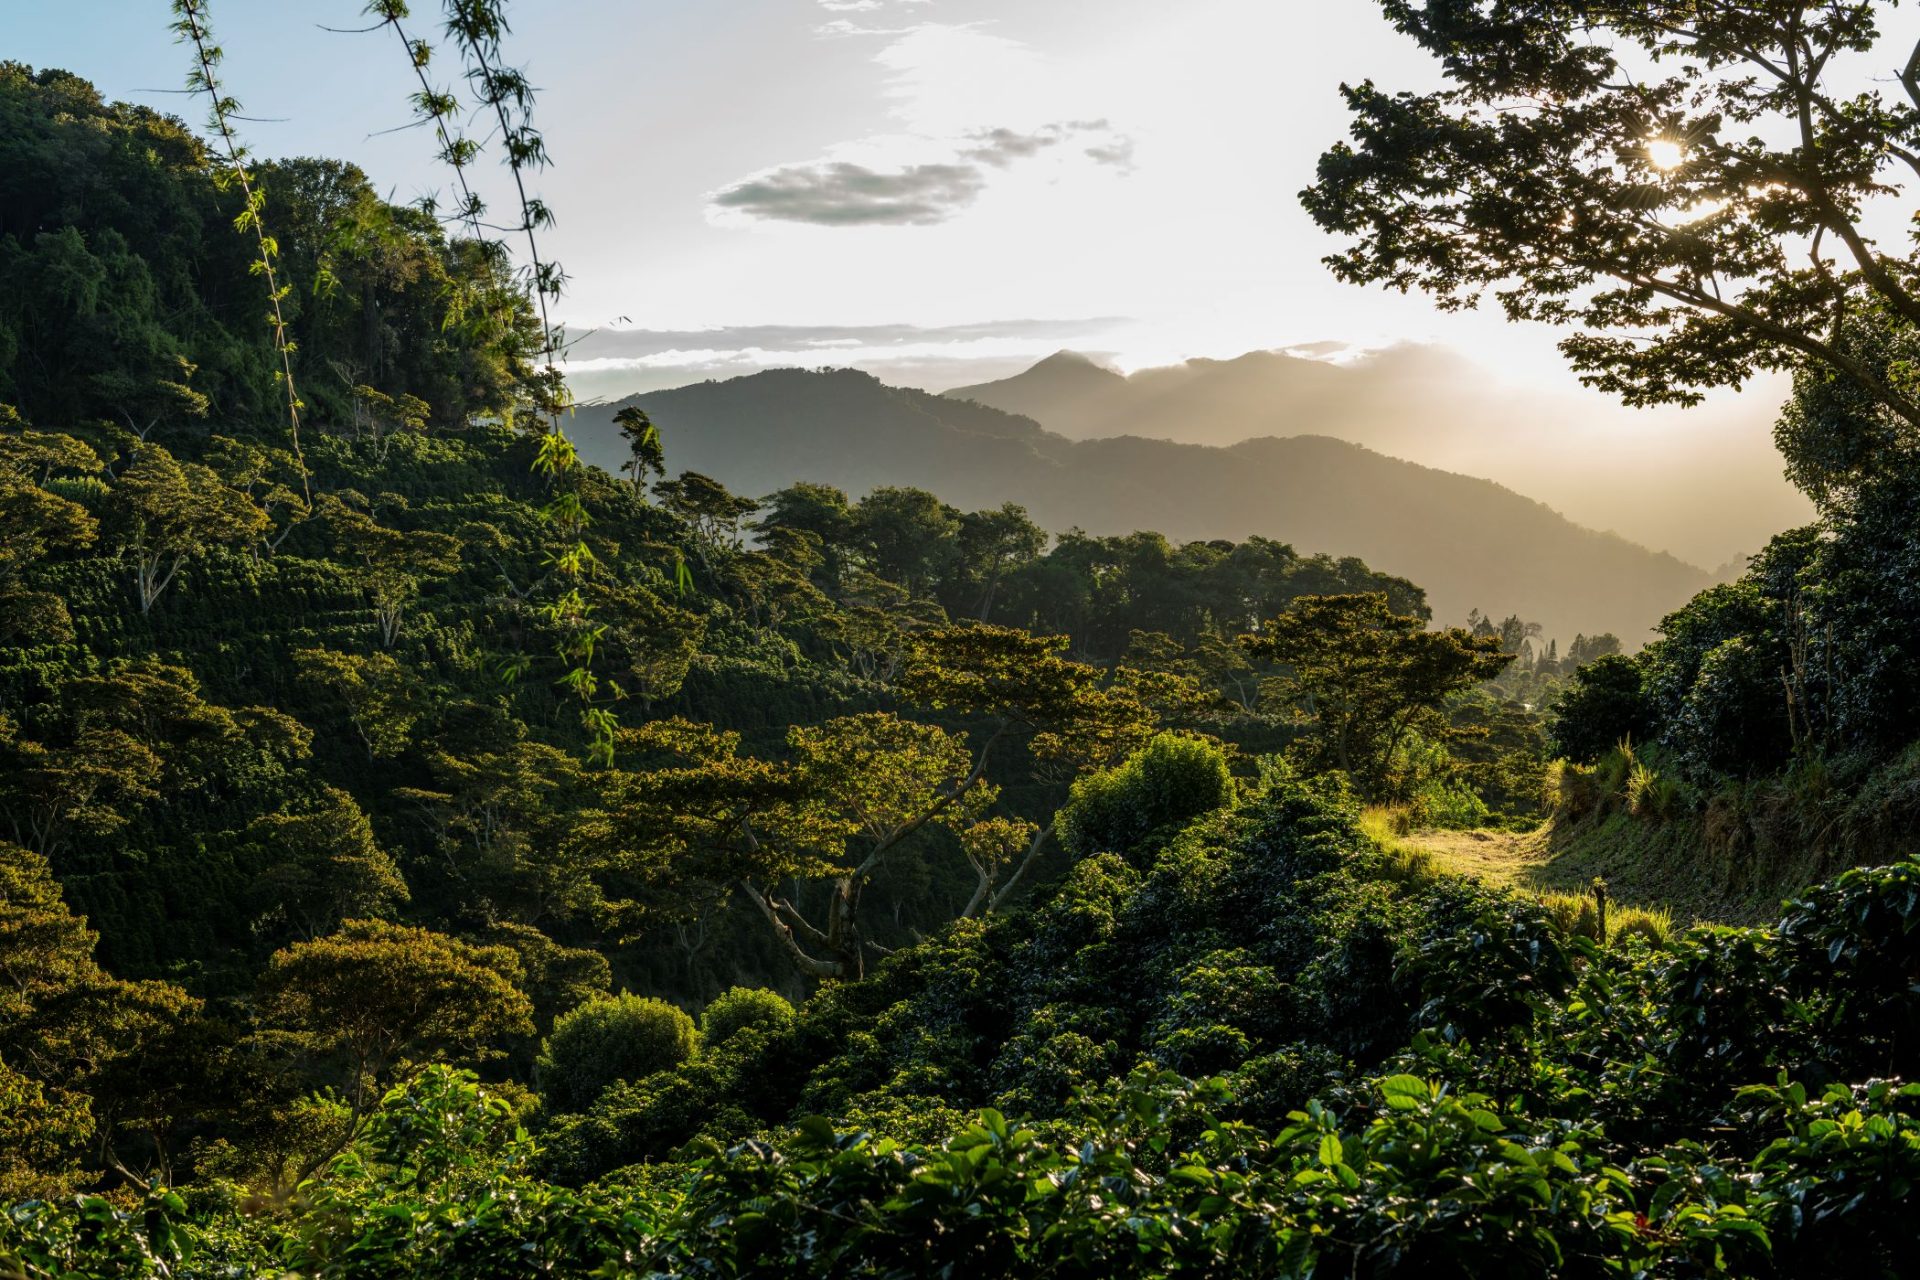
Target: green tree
point(385, 999)
point(162, 513)
point(820, 510)
point(646, 458)
point(379, 697)
point(386, 300)
point(1363, 678)
point(872, 781)
point(1602, 706)
point(511, 827)
point(35, 523)
point(710, 511)
point(98, 1054)
point(90, 784)
point(314, 869)
point(856, 789)
point(393, 562)
point(992, 545)
point(378, 417)
point(623, 1037)
point(200, 744)
point(35, 456)
point(1069, 715)
point(270, 478)
point(1692, 185)
point(908, 535)
point(41, 1138)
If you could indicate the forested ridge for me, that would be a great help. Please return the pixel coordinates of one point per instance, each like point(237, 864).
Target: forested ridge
point(1470, 543)
point(423, 854)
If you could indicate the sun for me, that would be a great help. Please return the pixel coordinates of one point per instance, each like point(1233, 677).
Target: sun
point(1665, 153)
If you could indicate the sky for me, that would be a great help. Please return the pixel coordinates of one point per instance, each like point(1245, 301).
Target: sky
point(940, 191)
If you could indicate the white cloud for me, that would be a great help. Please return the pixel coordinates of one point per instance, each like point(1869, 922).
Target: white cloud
point(928, 181)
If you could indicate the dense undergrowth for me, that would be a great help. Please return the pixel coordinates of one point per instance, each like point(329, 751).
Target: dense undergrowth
point(1455, 1086)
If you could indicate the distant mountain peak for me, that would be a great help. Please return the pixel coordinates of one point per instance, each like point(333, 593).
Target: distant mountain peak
point(1063, 377)
point(1067, 359)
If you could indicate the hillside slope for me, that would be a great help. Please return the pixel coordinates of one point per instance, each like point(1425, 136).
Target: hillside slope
point(1470, 543)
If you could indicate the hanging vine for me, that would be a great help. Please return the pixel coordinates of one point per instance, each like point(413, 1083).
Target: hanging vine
point(505, 94)
point(191, 27)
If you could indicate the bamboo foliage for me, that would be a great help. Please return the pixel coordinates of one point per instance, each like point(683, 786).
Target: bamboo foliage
point(503, 93)
point(191, 27)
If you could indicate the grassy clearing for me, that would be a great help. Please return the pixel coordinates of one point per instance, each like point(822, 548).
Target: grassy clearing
point(1538, 863)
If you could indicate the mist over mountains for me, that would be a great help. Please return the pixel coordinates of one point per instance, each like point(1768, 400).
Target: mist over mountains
point(1471, 543)
point(1705, 483)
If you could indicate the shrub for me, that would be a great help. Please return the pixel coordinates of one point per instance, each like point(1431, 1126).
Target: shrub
point(1611, 771)
point(1166, 784)
point(1384, 822)
point(1651, 794)
point(1651, 923)
point(1577, 915)
point(1572, 790)
point(1444, 803)
point(743, 1007)
point(1401, 863)
point(1602, 705)
point(625, 1037)
point(1574, 914)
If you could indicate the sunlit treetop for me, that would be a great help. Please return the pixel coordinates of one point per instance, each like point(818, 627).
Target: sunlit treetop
point(1691, 184)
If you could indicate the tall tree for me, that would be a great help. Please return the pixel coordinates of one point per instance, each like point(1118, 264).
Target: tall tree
point(92, 783)
point(100, 1055)
point(820, 510)
point(908, 535)
point(315, 868)
point(1692, 184)
point(393, 562)
point(380, 698)
point(270, 478)
point(163, 513)
point(646, 458)
point(1362, 677)
point(854, 791)
point(33, 524)
point(384, 999)
point(993, 544)
point(712, 512)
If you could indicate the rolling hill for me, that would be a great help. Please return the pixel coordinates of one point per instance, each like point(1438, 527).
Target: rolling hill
point(1469, 542)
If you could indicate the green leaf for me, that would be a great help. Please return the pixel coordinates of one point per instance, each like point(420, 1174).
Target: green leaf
point(1405, 1093)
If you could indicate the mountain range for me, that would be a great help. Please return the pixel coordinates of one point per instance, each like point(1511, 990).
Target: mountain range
point(1218, 402)
point(1471, 543)
point(1705, 483)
